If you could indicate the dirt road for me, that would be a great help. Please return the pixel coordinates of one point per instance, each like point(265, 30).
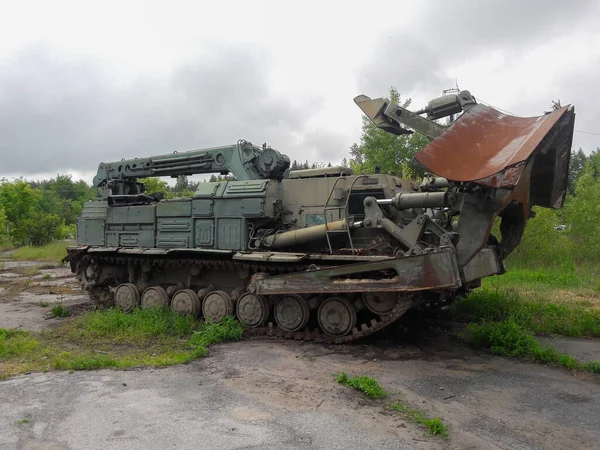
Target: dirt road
point(268, 394)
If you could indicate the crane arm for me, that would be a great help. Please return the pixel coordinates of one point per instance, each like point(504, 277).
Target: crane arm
point(244, 160)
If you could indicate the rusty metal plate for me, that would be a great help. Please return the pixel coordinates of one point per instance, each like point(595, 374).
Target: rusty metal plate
point(483, 142)
point(436, 270)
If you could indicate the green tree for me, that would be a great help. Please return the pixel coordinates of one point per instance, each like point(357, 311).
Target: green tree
point(582, 212)
point(182, 184)
point(37, 229)
point(19, 199)
point(387, 151)
point(154, 185)
point(3, 227)
point(578, 160)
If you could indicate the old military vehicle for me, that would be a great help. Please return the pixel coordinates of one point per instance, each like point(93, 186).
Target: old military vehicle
point(324, 254)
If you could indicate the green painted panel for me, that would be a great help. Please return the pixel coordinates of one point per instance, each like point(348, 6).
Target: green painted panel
point(206, 190)
point(173, 240)
point(204, 233)
point(90, 231)
point(147, 238)
point(239, 207)
point(126, 238)
point(174, 232)
point(94, 209)
point(231, 234)
point(252, 188)
point(131, 214)
point(179, 208)
point(202, 207)
point(129, 240)
point(174, 224)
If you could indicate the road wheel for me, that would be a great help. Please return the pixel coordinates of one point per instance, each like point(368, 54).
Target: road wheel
point(292, 313)
point(252, 310)
point(127, 297)
point(216, 306)
point(155, 297)
point(186, 303)
point(336, 316)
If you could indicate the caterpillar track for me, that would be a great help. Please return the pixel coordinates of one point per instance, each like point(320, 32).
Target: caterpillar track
point(103, 295)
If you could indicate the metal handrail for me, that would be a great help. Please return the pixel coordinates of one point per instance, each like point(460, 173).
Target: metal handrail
point(345, 208)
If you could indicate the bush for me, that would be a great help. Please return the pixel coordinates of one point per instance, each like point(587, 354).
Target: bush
point(37, 229)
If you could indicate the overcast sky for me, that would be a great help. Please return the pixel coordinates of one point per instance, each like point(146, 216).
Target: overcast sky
point(82, 84)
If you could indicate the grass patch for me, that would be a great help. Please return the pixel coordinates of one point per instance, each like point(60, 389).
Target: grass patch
point(111, 339)
point(434, 426)
point(139, 327)
point(53, 252)
point(22, 421)
point(59, 310)
point(532, 312)
point(506, 320)
point(86, 362)
point(541, 278)
point(509, 338)
point(372, 389)
point(44, 304)
point(367, 385)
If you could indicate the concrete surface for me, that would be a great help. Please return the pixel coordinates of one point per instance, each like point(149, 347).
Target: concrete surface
point(262, 394)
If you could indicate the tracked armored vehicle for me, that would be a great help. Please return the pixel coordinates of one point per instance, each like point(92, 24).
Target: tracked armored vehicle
point(324, 254)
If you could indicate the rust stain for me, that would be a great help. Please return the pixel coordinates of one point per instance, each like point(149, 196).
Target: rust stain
point(483, 142)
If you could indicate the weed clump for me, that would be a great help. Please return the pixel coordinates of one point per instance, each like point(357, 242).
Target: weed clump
point(208, 334)
point(368, 385)
point(434, 426)
point(59, 310)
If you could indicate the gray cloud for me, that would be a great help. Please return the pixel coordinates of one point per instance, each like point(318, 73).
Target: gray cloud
point(413, 57)
point(57, 113)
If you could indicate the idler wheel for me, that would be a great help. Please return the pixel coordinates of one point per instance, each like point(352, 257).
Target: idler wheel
point(186, 303)
point(127, 297)
point(292, 313)
point(252, 310)
point(216, 306)
point(336, 316)
point(155, 297)
point(380, 303)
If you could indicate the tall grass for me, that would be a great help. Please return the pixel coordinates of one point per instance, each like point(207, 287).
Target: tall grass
point(53, 252)
point(530, 311)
